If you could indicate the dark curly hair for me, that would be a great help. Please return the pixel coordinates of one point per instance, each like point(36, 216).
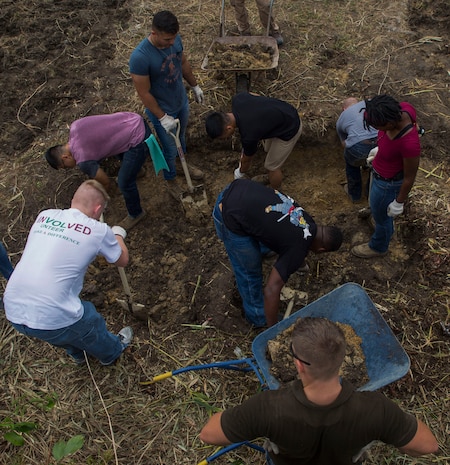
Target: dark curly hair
point(333, 238)
point(380, 110)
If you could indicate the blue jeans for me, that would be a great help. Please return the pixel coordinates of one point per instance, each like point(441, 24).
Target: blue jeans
point(168, 145)
point(355, 157)
point(6, 267)
point(382, 193)
point(88, 334)
point(245, 255)
point(130, 165)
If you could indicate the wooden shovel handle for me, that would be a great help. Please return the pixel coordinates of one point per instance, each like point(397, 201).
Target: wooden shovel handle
point(176, 136)
point(123, 278)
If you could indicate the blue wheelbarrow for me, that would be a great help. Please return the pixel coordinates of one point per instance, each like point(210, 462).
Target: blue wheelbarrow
point(386, 360)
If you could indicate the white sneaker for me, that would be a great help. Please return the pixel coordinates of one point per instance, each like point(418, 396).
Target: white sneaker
point(125, 336)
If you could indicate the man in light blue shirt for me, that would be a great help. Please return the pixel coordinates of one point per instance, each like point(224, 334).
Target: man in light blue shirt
point(357, 142)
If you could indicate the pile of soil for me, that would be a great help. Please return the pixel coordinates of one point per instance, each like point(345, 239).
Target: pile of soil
point(240, 56)
point(353, 368)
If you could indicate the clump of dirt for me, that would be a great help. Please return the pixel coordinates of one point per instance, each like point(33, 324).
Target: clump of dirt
point(353, 369)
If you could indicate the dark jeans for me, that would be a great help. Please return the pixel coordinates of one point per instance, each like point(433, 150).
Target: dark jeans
point(245, 254)
point(6, 267)
point(87, 334)
point(382, 193)
point(130, 165)
point(355, 157)
point(168, 145)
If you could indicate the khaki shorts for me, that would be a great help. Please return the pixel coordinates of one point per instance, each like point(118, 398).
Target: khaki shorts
point(278, 150)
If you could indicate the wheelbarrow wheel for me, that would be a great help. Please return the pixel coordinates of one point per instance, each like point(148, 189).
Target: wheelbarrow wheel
point(242, 82)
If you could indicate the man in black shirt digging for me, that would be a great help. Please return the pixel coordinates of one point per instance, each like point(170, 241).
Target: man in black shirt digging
point(252, 220)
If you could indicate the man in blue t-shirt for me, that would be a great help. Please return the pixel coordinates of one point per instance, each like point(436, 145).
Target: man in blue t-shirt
point(157, 66)
point(6, 267)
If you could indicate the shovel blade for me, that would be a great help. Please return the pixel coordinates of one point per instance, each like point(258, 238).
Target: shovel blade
point(124, 304)
point(197, 197)
point(131, 307)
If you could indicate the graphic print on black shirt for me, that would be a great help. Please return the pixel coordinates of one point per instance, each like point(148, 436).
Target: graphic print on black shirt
point(288, 208)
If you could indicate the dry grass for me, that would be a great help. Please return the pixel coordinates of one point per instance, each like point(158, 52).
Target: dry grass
point(332, 49)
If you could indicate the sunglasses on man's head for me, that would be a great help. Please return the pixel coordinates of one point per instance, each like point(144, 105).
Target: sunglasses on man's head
point(295, 356)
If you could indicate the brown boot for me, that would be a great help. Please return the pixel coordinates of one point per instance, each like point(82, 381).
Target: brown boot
point(196, 173)
point(129, 222)
point(174, 189)
point(364, 251)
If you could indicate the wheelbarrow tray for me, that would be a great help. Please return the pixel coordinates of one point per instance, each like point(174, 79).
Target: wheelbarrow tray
point(386, 360)
point(229, 42)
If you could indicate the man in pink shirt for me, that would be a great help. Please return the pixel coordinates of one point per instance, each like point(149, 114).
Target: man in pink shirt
point(95, 138)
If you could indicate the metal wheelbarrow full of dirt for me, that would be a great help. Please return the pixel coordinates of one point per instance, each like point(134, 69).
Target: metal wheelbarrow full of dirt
point(194, 200)
point(241, 54)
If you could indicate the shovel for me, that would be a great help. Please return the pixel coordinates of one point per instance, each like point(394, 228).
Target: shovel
point(195, 199)
point(128, 304)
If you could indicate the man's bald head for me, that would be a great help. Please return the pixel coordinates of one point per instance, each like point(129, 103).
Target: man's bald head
point(348, 102)
point(90, 198)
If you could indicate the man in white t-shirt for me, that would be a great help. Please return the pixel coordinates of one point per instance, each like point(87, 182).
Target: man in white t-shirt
point(42, 296)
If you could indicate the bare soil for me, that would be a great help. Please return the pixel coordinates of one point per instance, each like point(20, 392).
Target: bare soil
point(353, 368)
point(65, 60)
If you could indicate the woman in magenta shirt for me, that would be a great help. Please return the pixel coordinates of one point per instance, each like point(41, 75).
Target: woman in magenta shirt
point(394, 168)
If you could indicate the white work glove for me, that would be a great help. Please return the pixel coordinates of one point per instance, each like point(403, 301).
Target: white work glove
point(394, 209)
point(198, 94)
point(238, 174)
point(371, 156)
point(270, 446)
point(168, 122)
point(119, 231)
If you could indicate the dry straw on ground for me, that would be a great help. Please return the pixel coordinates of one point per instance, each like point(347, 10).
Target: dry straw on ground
point(332, 48)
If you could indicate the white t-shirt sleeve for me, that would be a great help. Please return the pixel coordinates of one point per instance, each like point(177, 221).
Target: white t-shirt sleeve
point(110, 248)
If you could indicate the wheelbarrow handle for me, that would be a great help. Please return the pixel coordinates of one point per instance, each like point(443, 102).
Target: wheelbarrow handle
point(269, 17)
point(222, 20)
